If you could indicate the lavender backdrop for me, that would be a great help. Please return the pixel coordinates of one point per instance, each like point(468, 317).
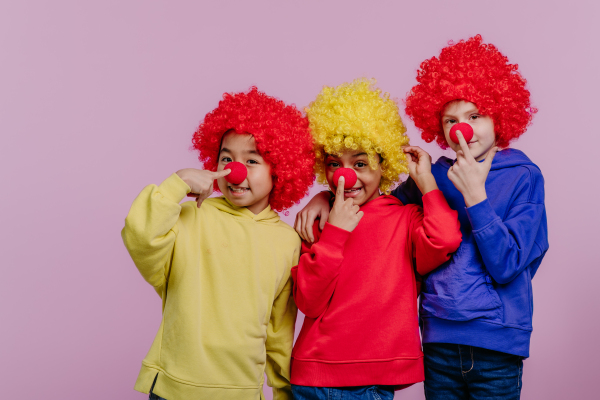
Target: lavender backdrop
point(98, 99)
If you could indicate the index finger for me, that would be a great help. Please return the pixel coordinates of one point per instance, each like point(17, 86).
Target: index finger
point(220, 174)
point(339, 191)
point(463, 145)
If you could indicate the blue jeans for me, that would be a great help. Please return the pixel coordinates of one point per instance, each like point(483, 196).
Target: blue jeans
point(465, 372)
point(343, 393)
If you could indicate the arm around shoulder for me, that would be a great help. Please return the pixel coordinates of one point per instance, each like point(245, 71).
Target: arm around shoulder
point(435, 233)
point(150, 228)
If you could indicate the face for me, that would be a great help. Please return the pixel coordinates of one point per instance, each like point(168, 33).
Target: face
point(254, 191)
point(484, 137)
point(366, 187)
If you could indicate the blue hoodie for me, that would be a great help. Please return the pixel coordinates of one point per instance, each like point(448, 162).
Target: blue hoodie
point(482, 296)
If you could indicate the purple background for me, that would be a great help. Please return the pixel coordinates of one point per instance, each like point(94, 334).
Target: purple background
point(99, 99)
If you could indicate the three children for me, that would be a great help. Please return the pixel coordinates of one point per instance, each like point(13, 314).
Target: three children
point(226, 264)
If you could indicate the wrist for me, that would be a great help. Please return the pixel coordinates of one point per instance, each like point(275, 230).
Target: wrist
point(426, 183)
point(473, 198)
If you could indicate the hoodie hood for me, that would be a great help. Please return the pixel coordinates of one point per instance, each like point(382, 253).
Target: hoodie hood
point(221, 203)
point(506, 158)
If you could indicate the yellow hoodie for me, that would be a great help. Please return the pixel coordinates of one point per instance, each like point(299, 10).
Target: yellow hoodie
point(223, 274)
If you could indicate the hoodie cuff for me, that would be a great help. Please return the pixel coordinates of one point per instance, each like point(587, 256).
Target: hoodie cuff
point(334, 237)
point(174, 188)
point(481, 215)
point(435, 202)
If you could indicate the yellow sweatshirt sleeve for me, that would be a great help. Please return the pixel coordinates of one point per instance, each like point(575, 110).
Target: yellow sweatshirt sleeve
point(280, 338)
point(150, 229)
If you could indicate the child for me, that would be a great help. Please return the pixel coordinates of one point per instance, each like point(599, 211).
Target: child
point(476, 310)
point(222, 266)
point(356, 284)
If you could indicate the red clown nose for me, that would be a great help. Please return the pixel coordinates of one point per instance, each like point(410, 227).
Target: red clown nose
point(465, 129)
point(238, 172)
point(349, 177)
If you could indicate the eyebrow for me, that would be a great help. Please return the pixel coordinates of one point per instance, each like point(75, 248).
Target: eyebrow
point(472, 111)
point(247, 151)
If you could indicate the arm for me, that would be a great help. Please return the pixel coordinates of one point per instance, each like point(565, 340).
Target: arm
point(508, 246)
point(435, 233)
point(150, 228)
point(315, 277)
point(280, 338)
point(317, 207)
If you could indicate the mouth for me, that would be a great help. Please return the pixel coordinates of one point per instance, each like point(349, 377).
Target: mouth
point(238, 191)
point(352, 192)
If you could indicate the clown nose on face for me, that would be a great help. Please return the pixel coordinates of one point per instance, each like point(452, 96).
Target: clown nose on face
point(465, 129)
point(238, 172)
point(349, 177)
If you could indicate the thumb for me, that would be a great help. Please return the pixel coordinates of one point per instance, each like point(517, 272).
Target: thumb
point(490, 157)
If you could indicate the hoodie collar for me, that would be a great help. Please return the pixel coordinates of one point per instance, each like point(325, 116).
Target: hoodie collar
point(266, 215)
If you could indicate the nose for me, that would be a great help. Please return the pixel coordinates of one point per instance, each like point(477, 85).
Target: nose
point(238, 172)
point(464, 128)
point(349, 177)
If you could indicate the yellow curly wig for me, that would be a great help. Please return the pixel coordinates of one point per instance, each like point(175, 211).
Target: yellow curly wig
point(356, 116)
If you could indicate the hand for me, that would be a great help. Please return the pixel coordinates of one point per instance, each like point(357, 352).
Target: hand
point(318, 206)
point(419, 167)
point(344, 214)
point(200, 181)
point(468, 175)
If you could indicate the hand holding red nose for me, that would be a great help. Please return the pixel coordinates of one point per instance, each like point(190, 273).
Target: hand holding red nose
point(349, 177)
point(238, 172)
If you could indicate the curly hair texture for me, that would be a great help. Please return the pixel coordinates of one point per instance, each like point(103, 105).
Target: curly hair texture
point(475, 72)
point(282, 138)
point(356, 116)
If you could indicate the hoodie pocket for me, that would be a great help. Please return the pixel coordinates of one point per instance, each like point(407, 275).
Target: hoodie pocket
point(461, 289)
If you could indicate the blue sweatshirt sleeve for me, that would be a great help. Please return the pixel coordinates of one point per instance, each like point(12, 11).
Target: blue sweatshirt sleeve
point(408, 193)
point(509, 245)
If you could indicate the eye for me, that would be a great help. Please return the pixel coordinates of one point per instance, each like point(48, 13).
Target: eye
point(361, 164)
point(333, 164)
point(475, 116)
point(450, 121)
point(252, 162)
point(226, 159)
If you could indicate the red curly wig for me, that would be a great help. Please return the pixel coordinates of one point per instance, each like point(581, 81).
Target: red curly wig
point(476, 72)
point(282, 138)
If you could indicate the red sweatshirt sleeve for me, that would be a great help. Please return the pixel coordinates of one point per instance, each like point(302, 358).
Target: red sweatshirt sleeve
point(316, 274)
point(435, 232)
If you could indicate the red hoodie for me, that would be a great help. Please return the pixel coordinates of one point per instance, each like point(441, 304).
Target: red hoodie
point(359, 295)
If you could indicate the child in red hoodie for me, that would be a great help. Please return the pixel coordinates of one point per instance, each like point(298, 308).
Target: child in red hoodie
point(356, 284)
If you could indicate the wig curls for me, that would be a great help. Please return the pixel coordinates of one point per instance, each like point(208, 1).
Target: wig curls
point(475, 72)
point(282, 138)
point(356, 116)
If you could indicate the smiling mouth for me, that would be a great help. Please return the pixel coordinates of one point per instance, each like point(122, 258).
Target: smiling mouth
point(238, 191)
point(352, 192)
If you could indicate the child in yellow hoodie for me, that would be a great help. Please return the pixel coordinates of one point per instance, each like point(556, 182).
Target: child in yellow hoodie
point(222, 265)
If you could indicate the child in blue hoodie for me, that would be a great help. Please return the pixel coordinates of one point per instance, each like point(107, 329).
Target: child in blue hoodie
point(476, 309)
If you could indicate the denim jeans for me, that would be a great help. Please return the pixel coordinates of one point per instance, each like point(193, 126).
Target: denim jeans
point(466, 372)
point(343, 393)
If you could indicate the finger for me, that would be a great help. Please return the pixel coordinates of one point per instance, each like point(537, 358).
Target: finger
point(339, 191)
point(464, 146)
point(356, 209)
point(324, 218)
point(298, 225)
point(310, 222)
point(220, 174)
point(360, 214)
